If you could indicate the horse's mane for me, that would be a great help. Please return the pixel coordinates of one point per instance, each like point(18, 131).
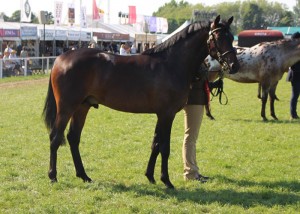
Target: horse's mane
point(187, 31)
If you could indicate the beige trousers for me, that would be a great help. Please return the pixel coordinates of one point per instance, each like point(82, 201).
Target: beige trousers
point(193, 115)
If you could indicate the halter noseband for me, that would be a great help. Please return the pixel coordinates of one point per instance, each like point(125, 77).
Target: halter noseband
point(221, 60)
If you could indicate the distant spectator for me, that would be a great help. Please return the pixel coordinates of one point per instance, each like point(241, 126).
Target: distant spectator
point(24, 52)
point(123, 50)
point(133, 49)
point(146, 46)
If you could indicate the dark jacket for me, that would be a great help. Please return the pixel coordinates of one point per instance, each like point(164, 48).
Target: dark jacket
point(199, 92)
point(294, 74)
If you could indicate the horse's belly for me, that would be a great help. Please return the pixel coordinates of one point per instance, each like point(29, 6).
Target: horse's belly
point(243, 77)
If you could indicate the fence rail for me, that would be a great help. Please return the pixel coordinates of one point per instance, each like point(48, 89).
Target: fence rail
point(25, 66)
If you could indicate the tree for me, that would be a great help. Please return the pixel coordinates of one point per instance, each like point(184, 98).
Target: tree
point(297, 13)
point(176, 13)
point(16, 17)
point(286, 20)
point(253, 17)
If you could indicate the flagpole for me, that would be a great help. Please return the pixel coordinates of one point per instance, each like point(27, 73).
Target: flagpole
point(80, 14)
point(108, 11)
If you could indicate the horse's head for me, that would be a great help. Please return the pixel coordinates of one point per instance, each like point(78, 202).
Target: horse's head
point(220, 45)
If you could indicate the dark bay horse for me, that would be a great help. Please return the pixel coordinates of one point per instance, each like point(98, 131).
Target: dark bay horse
point(157, 81)
point(264, 63)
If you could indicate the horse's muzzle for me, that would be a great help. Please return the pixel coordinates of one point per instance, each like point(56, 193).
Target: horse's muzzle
point(234, 68)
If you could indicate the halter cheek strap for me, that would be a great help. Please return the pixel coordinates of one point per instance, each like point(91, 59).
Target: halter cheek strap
point(221, 60)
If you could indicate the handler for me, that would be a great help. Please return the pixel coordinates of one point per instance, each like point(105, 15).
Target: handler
point(294, 77)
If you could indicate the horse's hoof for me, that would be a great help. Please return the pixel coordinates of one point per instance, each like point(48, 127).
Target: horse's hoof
point(167, 183)
point(274, 117)
point(265, 119)
point(87, 180)
point(54, 180)
point(150, 178)
point(84, 177)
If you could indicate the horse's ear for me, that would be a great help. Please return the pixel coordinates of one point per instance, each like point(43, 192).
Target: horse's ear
point(230, 20)
point(217, 20)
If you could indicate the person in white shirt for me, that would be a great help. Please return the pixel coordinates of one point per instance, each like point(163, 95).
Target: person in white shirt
point(123, 50)
point(133, 49)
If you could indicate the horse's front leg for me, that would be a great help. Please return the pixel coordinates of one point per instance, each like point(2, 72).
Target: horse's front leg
point(272, 101)
point(154, 153)
point(76, 126)
point(164, 148)
point(264, 100)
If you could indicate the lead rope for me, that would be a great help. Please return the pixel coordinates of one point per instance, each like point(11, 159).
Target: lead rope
point(219, 91)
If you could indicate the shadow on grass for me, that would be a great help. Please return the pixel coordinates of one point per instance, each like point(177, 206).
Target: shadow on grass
point(276, 193)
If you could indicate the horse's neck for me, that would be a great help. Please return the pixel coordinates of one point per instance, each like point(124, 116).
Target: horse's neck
point(290, 55)
point(190, 52)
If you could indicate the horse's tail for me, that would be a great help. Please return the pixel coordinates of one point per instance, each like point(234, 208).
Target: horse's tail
point(49, 112)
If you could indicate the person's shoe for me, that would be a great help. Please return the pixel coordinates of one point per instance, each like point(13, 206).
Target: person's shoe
point(202, 179)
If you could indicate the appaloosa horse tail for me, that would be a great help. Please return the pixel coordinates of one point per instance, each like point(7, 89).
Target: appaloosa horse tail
point(49, 112)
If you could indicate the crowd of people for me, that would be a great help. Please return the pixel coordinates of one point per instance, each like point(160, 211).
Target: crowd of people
point(126, 48)
point(11, 64)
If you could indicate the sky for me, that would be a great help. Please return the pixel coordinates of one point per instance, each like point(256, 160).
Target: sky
point(142, 7)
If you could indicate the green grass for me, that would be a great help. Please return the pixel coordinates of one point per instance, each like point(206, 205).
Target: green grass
point(254, 164)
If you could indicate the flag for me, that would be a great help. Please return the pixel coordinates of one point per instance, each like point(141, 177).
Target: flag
point(132, 15)
point(25, 11)
point(83, 23)
point(96, 15)
point(164, 25)
point(139, 25)
point(152, 24)
point(58, 6)
point(71, 13)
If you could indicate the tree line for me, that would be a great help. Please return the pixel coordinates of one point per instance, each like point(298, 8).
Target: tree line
point(249, 14)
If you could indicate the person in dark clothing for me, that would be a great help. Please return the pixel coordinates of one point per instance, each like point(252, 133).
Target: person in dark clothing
point(294, 77)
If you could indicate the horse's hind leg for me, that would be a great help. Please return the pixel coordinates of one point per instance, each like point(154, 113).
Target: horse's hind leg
point(56, 139)
point(208, 112)
point(76, 126)
point(161, 143)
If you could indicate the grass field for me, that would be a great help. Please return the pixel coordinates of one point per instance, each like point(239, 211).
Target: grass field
point(254, 165)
